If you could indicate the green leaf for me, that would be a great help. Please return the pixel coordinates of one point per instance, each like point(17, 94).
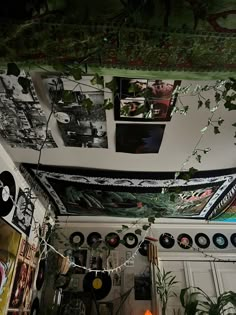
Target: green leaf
point(112, 85)
point(234, 125)
point(87, 103)
point(68, 96)
point(119, 231)
point(198, 158)
point(217, 96)
point(207, 103)
point(145, 227)
point(192, 171)
point(200, 103)
point(220, 121)
point(172, 197)
point(151, 219)
point(230, 106)
point(97, 79)
point(12, 69)
point(125, 227)
point(186, 108)
point(134, 88)
point(59, 67)
point(216, 130)
point(138, 232)
point(205, 151)
point(122, 242)
point(76, 73)
point(108, 104)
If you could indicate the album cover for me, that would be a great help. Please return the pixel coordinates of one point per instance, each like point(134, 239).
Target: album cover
point(145, 99)
point(142, 288)
point(139, 138)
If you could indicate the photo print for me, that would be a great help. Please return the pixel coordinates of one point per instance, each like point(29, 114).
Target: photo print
point(142, 287)
point(23, 214)
point(139, 138)
point(144, 99)
point(22, 119)
point(79, 112)
point(79, 258)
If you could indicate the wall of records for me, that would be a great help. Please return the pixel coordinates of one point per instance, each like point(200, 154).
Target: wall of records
point(19, 263)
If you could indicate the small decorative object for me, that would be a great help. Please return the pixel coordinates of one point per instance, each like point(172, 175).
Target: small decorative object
point(112, 240)
point(64, 265)
point(99, 283)
point(233, 239)
point(202, 240)
point(130, 240)
point(94, 239)
point(167, 240)
point(130, 262)
point(185, 241)
point(220, 240)
point(143, 250)
point(76, 239)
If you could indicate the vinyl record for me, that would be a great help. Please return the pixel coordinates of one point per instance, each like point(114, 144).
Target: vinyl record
point(202, 240)
point(143, 250)
point(76, 239)
point(41, 274)
point(8, 189)
point(94, 239)
point(130, 240)
point(112, 240)
point(220, 240)
point(185, 241)
point(35, 307)
point(167, 240)
point(233, 239)
point(99, 284)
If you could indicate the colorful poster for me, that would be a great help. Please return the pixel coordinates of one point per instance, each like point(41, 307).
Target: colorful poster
point(142, 99)
point(22, 119)
point(79, 112)
point(139, 138)
point(9, 244)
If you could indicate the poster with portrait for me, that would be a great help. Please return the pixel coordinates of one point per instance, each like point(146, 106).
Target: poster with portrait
point(25, 271)
point(145, 99)
point(9, 245)
point(23, 214)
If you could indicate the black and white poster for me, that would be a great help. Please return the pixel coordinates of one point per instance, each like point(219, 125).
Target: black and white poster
point(24, 212)
point(142, 287)
point(144, 100)
point(22, 119)
point(79, 112)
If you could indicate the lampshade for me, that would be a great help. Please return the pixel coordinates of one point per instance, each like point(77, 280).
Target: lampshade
point(147, 312)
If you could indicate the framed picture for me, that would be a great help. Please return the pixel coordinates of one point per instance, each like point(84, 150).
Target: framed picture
point(80, 258)
point(9, 247)
point(142, 288)
point(76, 303)
point(133, 194)
point(145, 99)
point(105, 308)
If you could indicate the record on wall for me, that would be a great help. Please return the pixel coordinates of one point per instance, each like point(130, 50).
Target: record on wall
point(94, 239)
point(220, 240)
point(185, 241)
point(99, 283)
point(41, 274)
point(76, 239)
point(143, 249)
point(202, 240)
point(7, 191)
point(167, 240)
point(35, 307)
point(112, 240)
point(130, 240)
point(233, 239)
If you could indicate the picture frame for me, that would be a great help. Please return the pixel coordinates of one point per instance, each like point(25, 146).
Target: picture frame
point(105, 308)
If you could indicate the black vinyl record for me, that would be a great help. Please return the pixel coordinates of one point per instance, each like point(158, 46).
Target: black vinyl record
point(8, 189)
point(143, 250)
point(167, 240)
point(41, 274)
point(202, 240)
point(112, 240)
point(130, 240)
point(76, 239)
point(94, 239)
point(185, 241)
point(233, 239)
point(35, 307)
point(100, 284)
point(220, 240)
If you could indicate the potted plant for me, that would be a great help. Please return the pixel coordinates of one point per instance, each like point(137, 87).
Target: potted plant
point(195, 301)
point(165, 282)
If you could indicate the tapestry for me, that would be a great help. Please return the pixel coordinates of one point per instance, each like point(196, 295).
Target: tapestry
point(9, 244)
point(142, 99)
point(87, 192)
point(79, 111)
point(22, 119)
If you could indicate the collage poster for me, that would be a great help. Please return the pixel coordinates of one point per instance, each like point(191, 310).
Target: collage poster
point(9, 245)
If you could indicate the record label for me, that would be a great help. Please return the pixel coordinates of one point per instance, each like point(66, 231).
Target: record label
point(7, 193)
point(112, 240)
point(94, 239)
point(76, 239)
point(130, 240)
